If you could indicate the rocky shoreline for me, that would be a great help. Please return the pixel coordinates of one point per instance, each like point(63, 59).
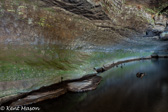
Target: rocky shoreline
point(78, 24)
point(109, 66)
point(86, 83)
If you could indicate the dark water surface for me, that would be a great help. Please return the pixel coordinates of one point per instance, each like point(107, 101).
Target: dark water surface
point(120, 91)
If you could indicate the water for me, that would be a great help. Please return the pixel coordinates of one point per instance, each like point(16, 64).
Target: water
point(120, 91)
point(25, 68)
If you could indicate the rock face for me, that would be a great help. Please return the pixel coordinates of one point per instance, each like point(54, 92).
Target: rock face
point(80, 7)
point(37, 97)
point(160, 25)
point(34, 96)
point(75, 22)
point(164, 35)
point(86, 83)
point(152, 33)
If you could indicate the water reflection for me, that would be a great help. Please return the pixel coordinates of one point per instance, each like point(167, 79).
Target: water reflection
point(11, 87)
point(120, 91)
point(48, 63)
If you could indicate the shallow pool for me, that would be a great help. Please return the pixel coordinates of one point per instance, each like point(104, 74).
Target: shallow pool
point(120, 91)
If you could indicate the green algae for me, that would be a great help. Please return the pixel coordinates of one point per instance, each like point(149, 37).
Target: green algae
point(45, 65)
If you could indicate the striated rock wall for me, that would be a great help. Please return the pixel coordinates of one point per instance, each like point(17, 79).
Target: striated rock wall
point(75, 22)
point(27, 23)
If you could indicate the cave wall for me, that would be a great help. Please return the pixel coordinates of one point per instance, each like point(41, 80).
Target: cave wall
point(74, 22)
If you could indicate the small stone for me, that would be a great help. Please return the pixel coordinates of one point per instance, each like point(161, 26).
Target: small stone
point(99, 69)
point(140, 75)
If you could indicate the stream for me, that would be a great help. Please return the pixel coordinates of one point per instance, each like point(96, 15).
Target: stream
point(84, 55)
point(24, 68)
point(120, 91)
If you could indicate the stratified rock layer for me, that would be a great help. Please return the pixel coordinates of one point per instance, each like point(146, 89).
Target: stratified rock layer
point(74, 22)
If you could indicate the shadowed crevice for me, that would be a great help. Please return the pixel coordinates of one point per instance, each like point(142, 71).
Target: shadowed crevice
point(80, 7)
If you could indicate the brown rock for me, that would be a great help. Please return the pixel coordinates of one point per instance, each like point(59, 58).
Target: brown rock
point(85, 85)
point(37, 97)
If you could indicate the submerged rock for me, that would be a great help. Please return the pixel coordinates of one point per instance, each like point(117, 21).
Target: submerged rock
point(140, 75)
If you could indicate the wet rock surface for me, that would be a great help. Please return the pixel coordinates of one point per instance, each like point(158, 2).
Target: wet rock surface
point(99, 69)
point(86, 83)
point(159, 28)
point(152, 33)
point(120, 91)
point(80, 7)
point(140, 75)
point(164, 35)
point(39, 96)
point(76, 23)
